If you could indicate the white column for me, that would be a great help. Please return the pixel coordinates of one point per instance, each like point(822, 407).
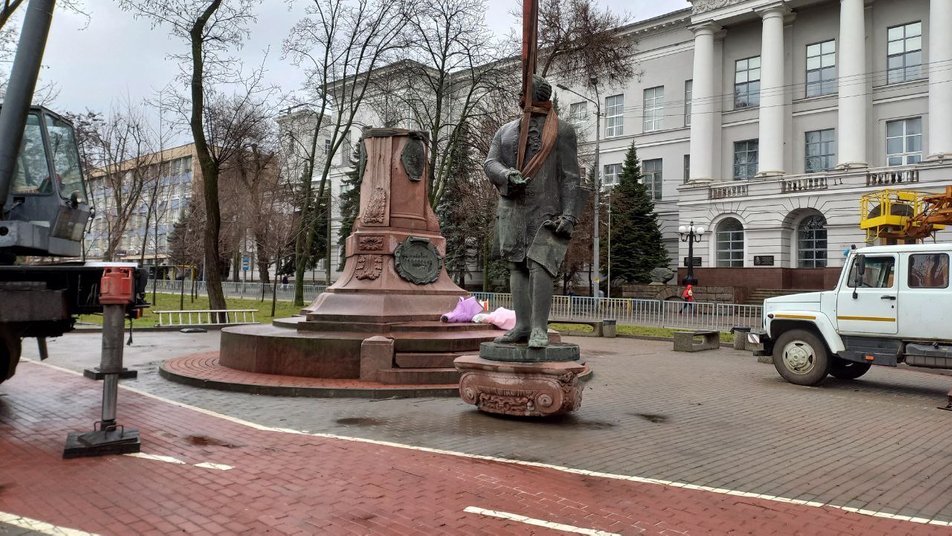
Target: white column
point(940, 79)
point(702, 104)
point(771, 92)
point(851, 121)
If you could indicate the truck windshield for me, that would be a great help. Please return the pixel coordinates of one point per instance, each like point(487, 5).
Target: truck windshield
point(65, 158)
point(31, 174)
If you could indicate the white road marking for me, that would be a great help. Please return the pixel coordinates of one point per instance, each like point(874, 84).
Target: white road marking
point(210, 465)
point(569, 470)
point(537, 522)
point(156, 457)
point(40, 526)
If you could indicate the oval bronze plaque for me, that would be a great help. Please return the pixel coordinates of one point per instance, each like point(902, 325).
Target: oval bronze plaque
point(418, 261)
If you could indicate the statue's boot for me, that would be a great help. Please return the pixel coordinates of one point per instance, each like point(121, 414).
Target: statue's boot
point(516, 334)
point(539, 338)
point(541, 283)
point(521, 302)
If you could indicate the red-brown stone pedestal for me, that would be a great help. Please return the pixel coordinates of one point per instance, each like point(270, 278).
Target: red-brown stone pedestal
point(522, 389)
point(380, 322)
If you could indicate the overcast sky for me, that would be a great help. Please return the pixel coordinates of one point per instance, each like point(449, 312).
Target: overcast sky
point(115, 57)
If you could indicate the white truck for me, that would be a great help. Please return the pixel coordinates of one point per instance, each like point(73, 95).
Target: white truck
point(892, 304)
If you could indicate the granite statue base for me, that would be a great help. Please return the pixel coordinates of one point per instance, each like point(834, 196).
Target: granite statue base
point(525, 389)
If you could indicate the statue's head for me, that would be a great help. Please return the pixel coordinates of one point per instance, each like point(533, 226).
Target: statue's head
point(543, 90)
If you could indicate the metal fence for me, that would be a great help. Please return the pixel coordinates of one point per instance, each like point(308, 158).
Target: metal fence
point(636, 312)
point(238, 289)
point(658, 313)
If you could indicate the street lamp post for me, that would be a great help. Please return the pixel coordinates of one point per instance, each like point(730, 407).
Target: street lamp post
point(596, 269)
point(690, 234)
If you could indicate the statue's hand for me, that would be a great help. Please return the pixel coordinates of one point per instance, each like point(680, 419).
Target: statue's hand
point(516, 178)
point(565, 225)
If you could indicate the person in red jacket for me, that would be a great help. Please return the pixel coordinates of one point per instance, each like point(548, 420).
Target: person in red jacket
point(688, 297)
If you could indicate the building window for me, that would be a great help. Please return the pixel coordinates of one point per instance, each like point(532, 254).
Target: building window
point(903, 141)
point(730, 244)
point(687, 168)
point(929, 270)
point(688, 95)
point(578, 111)
point(747, 82)
point(611, 174)
point(820, 150)
point(614, 115)
point(811, 242)
point(651, 171)
point(654, 108)
point(821, 68)
point(745, 159)
point(327, 146)
point(904, 52)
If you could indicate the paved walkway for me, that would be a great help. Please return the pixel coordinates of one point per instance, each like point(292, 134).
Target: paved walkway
point(714, 421)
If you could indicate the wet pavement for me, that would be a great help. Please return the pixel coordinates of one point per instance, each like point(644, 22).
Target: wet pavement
point(665, 442)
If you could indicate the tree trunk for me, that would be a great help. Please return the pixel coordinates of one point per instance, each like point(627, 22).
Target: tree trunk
point(209, 167)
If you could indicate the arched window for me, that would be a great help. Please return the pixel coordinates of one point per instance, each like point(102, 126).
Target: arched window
point(730, 243)
point(811, 242)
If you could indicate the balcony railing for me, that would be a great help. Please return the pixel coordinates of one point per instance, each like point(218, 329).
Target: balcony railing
point(788, 184)
point(803, 184)
point(727, 192)
point(889, 176)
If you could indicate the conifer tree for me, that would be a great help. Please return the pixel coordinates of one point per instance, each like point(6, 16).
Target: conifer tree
point(349, 201)
point(636, 244)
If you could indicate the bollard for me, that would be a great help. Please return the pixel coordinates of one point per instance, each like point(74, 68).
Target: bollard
point(740, 337)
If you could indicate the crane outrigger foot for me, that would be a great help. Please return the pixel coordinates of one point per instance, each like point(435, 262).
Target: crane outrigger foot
point(948, 407)
point(105, 441)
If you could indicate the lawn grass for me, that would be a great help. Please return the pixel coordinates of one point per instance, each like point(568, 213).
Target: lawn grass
point(170, 302)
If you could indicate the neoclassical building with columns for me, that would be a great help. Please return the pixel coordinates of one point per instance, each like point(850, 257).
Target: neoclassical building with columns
point(765, 121)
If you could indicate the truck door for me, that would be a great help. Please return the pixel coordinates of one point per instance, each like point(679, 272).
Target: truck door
point(926, 298)
point(868, 305)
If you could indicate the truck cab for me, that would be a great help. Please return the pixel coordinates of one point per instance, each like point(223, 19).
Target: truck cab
point(891, 305)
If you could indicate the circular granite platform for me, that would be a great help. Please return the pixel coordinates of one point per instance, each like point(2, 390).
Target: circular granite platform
point(204, 370)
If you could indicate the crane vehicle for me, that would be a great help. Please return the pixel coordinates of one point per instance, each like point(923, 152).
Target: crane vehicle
point(44, 210)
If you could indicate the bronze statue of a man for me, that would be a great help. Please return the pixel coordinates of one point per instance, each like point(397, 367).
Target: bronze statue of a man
point(539, 206)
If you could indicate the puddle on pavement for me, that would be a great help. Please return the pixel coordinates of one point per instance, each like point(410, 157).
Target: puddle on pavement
point(205, 441)
point(658, 419)
point(360, 421)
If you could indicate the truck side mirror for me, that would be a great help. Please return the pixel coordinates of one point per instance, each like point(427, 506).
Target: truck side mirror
point(860, 264)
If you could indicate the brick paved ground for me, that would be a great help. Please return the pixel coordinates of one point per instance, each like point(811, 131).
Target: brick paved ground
point(715, 418)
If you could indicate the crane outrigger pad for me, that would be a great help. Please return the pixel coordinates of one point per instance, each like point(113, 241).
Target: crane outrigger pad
point(116, 440)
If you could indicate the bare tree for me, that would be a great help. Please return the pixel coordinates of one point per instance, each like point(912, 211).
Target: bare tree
point(211, 28)
point(118, 155)
point(579, 40)
point(9, 35)
point(338, 42)
point(454, 70)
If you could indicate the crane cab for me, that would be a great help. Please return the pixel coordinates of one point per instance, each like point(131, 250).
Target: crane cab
point(47, 207)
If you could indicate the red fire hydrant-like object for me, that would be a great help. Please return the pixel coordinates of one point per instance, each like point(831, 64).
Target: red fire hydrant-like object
point(116, 286)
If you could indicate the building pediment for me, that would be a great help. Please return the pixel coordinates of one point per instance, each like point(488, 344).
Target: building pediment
point(703, 6)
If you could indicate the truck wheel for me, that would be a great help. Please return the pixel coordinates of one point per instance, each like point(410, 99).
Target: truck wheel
point(801, 358)
point(848, 370)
